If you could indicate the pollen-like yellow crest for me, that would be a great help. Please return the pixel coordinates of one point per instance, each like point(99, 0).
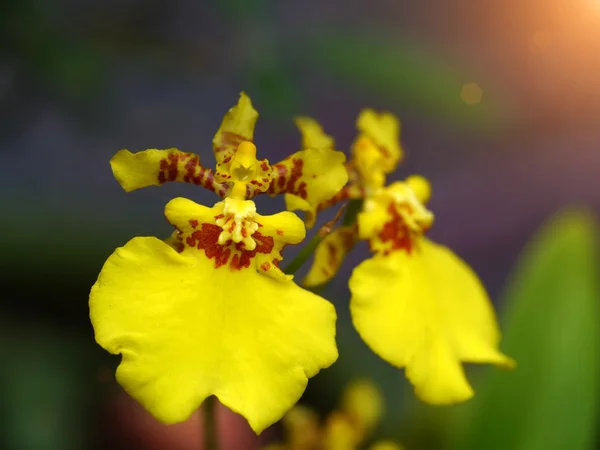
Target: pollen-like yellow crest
point(238, 223)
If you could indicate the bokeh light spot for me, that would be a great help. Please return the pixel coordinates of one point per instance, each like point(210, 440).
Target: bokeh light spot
point(471, 93)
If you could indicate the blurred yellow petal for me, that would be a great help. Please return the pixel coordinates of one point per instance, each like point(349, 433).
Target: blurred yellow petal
point(313, 135)
point(330, 254)
point(155, 167)
point(362, 400)
point(385, 445)
point(384, 130)
point(276, 446)
point(426, 311)
point(301, 426)
point(340, 433)
point(207, 321)
point(237, 126)
point(394, 216)
point(314, 175)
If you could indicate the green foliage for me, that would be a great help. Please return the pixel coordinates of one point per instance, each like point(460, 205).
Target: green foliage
point(552, 329)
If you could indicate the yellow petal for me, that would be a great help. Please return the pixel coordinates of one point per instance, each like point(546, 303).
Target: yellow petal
point(426, 311)
point(187, 329)
point(313, 135)
point(340, 433)
point(314, 175)
point(237, 126)
point(199, 233)
point(363, 401)
point(384, 130)
point(295, 203)
point(301, 426)
point(155, 167)
point(330, 254)
point(385, 445)
point(276, 446)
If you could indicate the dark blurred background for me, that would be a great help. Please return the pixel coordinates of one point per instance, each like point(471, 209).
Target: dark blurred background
point(499, 103)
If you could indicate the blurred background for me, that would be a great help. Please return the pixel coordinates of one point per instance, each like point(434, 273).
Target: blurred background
point(500, 109)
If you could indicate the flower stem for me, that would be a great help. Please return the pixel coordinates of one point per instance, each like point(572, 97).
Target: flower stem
point(210, 425)
point(304, 255)
point(353, 208)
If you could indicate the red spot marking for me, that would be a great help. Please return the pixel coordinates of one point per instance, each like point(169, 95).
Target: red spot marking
point(295, 174)
point(265, 266)
point(226, 160)
point(172, 169)
point(265, 180)
point(264, 166)
point(206, 238)
point(302, 190)
point(255, 183)
point(279, 232)
point(244, 232)
point(331, 255)
point(229, 139)
point(348, 240)
point(190, 170)
point(385, 151)
point(219, 216)
point(282, 172)
point(168, 168)
point(396, 232)
point(194, 223)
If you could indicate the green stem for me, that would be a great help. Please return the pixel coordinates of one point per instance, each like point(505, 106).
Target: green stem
point(304, 255)
point(210, 425)
point(353, 208)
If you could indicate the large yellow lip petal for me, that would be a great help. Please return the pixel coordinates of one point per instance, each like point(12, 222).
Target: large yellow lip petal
point(188, 330)
point(428, 312)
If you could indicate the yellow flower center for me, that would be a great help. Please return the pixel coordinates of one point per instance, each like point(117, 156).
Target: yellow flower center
point(409, 198)
point(243, 167)
point(238, 223)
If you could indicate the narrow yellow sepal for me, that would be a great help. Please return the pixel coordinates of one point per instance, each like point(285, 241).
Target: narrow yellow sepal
point(237, 126)
point(329, 255)
point(313, 135)
point(384, 130)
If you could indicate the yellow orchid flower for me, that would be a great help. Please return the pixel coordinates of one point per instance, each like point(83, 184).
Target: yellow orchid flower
point(415, 303)
point(208, 311)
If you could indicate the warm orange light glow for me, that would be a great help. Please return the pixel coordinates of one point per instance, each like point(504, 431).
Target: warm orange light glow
point(471, 93)
point(540, 41)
